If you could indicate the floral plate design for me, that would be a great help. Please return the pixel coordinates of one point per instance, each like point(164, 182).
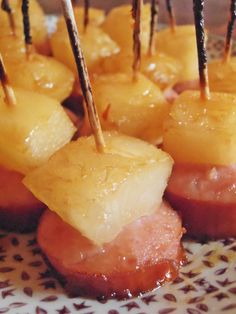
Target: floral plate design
point(206, 284)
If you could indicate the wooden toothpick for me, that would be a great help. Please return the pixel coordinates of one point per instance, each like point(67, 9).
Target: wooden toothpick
point(86, 14)
point(7, 8)
point(230, 28)
point(136, 13)
point(171, 14)
point(198, 6)
point(83, 74)
point(8, 90)
point(26, 25)
point(153, 25)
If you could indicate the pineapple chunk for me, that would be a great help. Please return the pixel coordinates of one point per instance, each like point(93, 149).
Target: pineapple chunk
point(202, 131)
point(159, 68)
point(95, 42)
point(119, 25)
point(12, 48)
point(41, 74)
point(99, 194)
point(182, 46)
point(37, 23)
point(222, 76)
point(133, 108)
point(32, 130)
point(96, 17)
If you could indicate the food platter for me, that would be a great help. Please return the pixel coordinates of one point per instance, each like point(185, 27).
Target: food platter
point(206, 284)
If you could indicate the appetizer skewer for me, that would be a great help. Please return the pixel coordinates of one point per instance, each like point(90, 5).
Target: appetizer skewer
point(128, 101)
point(29, 136)
point(170, 40)
point(222, 72)
point(38, 25)
point(99, 215)
point(199, 136)
point(35, 72)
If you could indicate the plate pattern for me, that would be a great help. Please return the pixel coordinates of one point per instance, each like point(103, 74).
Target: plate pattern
point(206, 284)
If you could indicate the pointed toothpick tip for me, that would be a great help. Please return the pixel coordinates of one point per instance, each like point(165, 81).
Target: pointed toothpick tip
point(7, 88)
point(83, 74)
point(198, 7)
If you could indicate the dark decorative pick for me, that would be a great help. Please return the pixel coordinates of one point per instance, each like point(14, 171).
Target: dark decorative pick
point(153, 26)
point(86, 13)
point(26, 24)
point(7, 8)
point(83, 74)
point(171, 14)
point(198, 6)
point(136, 13)
point(230, 28)
point(7, 89)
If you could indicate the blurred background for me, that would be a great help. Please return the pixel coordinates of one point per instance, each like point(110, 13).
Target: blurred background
point(216, 11)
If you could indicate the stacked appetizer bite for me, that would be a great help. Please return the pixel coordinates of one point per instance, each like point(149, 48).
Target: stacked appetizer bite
point(33, 127)
point(108, 233)
point(128, 101)
point(222, 71)
point(30, 70)
point(171, 41)
point(199, 135)
point(163, 70)
point(11, 23)
point(97, 44)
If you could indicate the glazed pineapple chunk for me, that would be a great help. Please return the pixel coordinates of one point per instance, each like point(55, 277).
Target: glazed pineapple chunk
point(202, 132)
point(161, 69)
point(99, 194)
point(41, 74)
point(136, 108)
point(32, 130)
point(96, 45)
point(96, 17)
point(222, 76)
point(37, 23)
point(181, 45)
point(119, 25)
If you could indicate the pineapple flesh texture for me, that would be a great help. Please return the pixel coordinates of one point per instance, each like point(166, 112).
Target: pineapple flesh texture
point(32, 130)
point(96, 45)
point(202, 132)
point(119, 25)
point(182, 46)
point(100, 193)
point(222, 76)
point(136, 108)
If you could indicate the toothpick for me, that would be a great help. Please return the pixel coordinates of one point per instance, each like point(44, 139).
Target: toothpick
point(8, 90)
point(6, 7)
point(86, 14)
point(26, 24)
point(83, 74)
point(136, 13)
point(171, 15)
point(153, 25)
point(198, 6)
point(230, 28)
